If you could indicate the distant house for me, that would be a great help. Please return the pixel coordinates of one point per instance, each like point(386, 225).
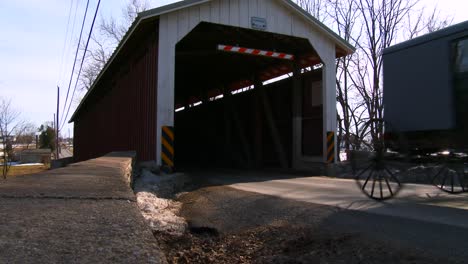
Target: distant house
point(1, 147)
point(35, 156)
point(2, 140)
point(10, 138)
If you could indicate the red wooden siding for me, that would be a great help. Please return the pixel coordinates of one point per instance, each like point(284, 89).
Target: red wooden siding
point(120, 113)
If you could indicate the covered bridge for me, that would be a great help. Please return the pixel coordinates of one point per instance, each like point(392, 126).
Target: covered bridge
point(195, 83)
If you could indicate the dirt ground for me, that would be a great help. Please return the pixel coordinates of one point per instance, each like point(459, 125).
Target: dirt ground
point(232, 226)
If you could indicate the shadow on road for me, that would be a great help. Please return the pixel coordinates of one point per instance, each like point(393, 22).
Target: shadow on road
point(256, 225)
point(222, 176)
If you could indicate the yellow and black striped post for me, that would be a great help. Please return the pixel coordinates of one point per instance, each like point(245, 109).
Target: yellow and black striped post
point(330, 147)
point(167, 149)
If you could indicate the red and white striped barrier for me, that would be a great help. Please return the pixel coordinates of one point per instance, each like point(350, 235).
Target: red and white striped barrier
point(271, 54)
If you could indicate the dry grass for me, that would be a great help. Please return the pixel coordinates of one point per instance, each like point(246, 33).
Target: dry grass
point(25, 170)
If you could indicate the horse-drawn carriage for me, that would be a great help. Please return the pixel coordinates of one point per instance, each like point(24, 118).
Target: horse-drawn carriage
point(425, 119)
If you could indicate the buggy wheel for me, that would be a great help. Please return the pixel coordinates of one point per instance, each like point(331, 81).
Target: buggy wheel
point(451, 175)
point(376, 168)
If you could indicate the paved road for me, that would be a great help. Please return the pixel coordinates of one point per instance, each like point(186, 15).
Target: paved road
point(421, 217)
point(65, 153)
point(415, 201)
point(84, 213)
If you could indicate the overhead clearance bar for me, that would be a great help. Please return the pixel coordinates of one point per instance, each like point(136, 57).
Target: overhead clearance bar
point(248, 51)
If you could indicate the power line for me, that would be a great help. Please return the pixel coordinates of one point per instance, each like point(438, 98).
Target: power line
point(81, 66)
point(70, 41)
point(76, 56)
point(65, 41)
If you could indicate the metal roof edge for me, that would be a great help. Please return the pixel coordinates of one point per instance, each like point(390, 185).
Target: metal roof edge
point(171, 8)
point(441, 33)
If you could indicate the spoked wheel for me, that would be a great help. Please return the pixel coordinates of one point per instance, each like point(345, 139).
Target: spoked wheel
point(451, 175)
point(378, 160)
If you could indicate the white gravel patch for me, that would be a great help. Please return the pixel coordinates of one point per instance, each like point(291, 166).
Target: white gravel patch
point(160, 213)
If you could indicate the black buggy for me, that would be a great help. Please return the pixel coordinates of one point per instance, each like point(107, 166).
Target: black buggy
point(425, 120)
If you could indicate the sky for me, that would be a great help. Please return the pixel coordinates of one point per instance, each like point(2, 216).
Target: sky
point(36, 57)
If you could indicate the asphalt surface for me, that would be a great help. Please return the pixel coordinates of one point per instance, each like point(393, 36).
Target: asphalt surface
point(234, 226)
point(84, 213)
point(415, 201)
point(421, 217)
point(65, 153)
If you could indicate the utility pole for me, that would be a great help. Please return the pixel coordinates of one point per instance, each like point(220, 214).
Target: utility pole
point(57, 145)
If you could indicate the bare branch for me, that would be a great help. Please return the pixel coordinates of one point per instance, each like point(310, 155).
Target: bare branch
point(10, 123)
point(104, 43)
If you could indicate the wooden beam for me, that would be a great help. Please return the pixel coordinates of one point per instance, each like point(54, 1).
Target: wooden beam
point(272, 125)
point(258, 124)
point(239, 127)
point(296, 115)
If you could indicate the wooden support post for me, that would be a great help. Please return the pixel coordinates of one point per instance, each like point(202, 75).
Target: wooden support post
point(296, 116)
point(272, 125)
point(240, 128)
point(227, 135)
point(258, 124)
point(204, 95)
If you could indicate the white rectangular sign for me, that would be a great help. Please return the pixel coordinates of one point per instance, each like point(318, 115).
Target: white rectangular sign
point(258, 23)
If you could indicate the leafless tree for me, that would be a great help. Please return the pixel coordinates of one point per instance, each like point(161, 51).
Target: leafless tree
point(317, 8)
point(105, 40)
point(371, 26)
point(26, 134)
point(10, 123)
point(422, 22)
point(350, 106)
point(383, 23)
